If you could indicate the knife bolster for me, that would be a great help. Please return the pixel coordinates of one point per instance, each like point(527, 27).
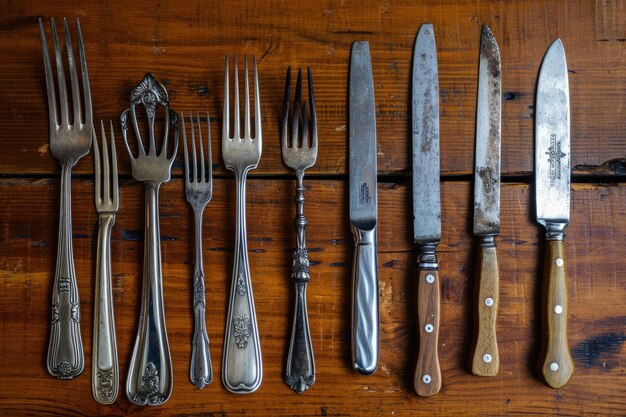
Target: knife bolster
point(364, 237)
point(555, 231)
point(427, 256)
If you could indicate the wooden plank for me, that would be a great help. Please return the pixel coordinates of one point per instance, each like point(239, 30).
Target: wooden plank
point(597, 293)
point(184, 43)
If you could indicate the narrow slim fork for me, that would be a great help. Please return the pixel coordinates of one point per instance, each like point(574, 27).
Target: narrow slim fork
point(70, 139)
point(105, 370)
point(300, 154)
point(242, 367)
point(198, 189)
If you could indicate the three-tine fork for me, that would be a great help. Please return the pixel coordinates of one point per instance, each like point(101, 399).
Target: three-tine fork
point(300, 154)
point(105, 371)
point(198, 190)
point(70, 139)
point(242, 367)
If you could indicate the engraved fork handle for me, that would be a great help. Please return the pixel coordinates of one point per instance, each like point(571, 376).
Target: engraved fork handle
point(105, 371)
point(242, 367)
point(300, 371)
point(200, 371)
point(66, 358)
point(150, 373)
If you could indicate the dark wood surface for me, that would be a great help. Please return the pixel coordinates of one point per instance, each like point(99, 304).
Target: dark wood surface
point(184, 44)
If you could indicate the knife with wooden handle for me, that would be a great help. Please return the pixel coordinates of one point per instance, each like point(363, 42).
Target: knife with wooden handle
point(552, 188)
point(426, 207)
point(484, 357)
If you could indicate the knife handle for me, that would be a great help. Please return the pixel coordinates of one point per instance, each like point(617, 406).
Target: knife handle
point(485, 358)
point(365, 330)
point(556, 362)
point(427, 378)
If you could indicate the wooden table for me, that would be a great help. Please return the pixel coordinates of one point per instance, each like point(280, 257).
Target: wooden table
point(184, 44)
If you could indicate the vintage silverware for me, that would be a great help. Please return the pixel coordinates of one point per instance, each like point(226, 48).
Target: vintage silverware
point(242, 367)
point(426, 207)
point(105, 371)
point(363, 210)
point(150, 372)
point(299, 153)
point(70, 139)
point(484, 357)
point(552, 188)
point(198, 190)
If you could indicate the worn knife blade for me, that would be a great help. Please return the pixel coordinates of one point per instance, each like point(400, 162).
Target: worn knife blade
point(552, 188)
point(426, 206)
point(484, 355)
point(363, 210)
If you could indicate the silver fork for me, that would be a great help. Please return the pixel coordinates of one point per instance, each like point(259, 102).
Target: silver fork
point(300, 154)
point(105, 371)
point(198, 189)
point(70, 140)
point(150, 372)
point(242, 367)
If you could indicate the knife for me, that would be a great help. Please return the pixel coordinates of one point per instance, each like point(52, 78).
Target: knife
point(363, 210)
point(552, 187)
point(426, 207)
point(485, 360)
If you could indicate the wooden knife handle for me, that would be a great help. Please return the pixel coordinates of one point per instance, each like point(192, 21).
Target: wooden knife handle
point(485, 359)
point(556, 362)
point(427, 378)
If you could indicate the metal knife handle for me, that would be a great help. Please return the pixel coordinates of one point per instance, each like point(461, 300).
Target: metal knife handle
point(427, 378)
point(365, 327)
point(485, 359)
point(242, 366)
point(556, 362)
point(66, 358)
point(105, 371)
point(150, 373)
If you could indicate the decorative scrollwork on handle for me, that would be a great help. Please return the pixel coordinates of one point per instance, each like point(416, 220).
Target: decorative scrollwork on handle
point(149, 391)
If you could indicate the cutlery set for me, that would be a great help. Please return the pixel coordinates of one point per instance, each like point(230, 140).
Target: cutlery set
point(150, 377)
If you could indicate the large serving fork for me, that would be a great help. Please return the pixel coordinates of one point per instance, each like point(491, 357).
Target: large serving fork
point(242, 368)
point(300, 154)
point(70, 139)
point(198, 189)
point(105, 370)
point(150, 373)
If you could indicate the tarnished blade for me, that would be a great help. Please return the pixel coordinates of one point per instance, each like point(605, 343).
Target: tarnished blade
point(487, 161)
point(362, 144)
point(425, 106)
point(552, 140)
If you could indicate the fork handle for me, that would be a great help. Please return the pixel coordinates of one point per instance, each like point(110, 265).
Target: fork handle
point(242, 367)
point(150, 372)
point(66, 358)
point(105, 371)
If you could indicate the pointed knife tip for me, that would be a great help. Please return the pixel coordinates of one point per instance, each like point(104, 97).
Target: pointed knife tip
point(425, 29)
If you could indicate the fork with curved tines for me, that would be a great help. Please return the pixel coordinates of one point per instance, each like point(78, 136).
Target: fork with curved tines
point(150, 372)
point(300, 154)
point(242, 367)
point(105, 370)
point(198, 190)
point(70, 139)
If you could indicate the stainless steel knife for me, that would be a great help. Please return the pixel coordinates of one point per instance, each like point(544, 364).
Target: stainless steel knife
point(485, 359)
point(426, 206)
point(363, 210)
point(552, 187)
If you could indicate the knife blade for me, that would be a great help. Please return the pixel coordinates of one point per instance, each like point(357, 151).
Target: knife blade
point(484, 356)
point(552, 187)
point(363, 210)
point(426, 206)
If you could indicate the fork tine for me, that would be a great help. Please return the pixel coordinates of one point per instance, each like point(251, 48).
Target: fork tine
point(305, 125)
point(295, 122)
point(313, 113)
point(114, 186)
point(60, 75)
point(106, 195)
point(257, 104)
point(247, 102)
point(87, 115)
point(285, 122)
point(236, 121)
point(96, 162)
point(194, 159)
point(176, 135)
point(225, 113)
point(208, 145)
point(185, 152)
point(52, 108)
point(201, 174)
point(73, 76)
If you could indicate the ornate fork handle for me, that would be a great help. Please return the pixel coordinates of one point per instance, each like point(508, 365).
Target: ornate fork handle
point(105, 377)
point(242, 369)
point(300, 372)
point(66, 358)
point(150, 374)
